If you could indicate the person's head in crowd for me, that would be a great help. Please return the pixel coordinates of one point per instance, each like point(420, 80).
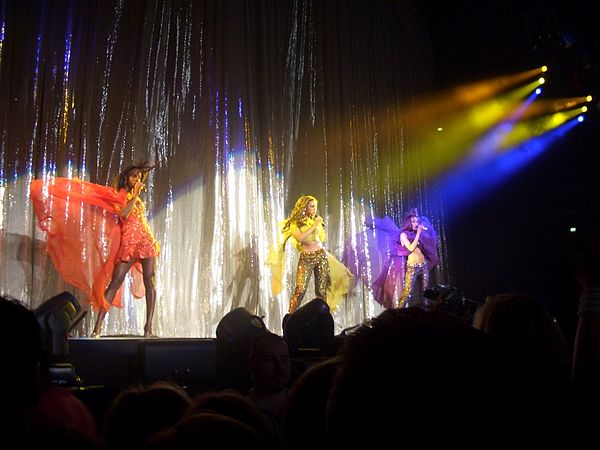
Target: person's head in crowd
point(416, 376)
point(232, 404)
point(208, 430)
point(139, 411)
point(270, 363)
point(306, 407)
point(22, 358)
point(526, 329)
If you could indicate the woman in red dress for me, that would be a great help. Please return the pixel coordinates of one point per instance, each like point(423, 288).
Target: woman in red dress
point(137, 244)
point(96, 234)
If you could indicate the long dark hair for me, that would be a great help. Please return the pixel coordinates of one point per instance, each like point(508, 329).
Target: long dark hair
point(406, 223)
point(121, 181)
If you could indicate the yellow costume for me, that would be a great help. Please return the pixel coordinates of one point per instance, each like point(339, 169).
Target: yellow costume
point(332, 278)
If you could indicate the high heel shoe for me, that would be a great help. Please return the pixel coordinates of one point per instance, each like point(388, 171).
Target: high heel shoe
point(95, 335)
point(149, 334)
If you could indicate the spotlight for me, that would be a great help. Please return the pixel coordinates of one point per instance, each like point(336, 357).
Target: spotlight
point(309, 331)
point(544, 68)
point(580, 119)
point(57, 316)
point(538, 91)
point(235, 333)
point(541, 80)
point(583, 108)
point(588, 98)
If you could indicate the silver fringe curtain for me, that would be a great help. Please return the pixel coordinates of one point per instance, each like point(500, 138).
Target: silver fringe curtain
point(243, 106)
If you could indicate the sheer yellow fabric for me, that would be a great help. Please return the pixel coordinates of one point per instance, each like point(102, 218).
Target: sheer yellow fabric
point(341, 277)
point(341, 280)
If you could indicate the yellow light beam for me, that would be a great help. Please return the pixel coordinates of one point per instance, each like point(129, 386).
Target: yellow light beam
point(548, 106)
point(465, 96)
point(524, 131)
point(442, 150)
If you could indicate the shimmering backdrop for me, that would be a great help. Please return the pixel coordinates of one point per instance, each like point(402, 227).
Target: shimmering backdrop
point(243, 106)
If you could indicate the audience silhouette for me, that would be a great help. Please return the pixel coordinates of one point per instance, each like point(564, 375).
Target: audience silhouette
point(138, 412)
point(271, 367)
point(37, 412)
point(208, 430)
point(420, 378)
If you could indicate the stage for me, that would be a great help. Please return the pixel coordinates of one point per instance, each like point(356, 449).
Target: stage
point(114, 362)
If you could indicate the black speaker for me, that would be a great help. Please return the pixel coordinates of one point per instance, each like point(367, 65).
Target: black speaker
point(309, 331)
point(235, 333)
point(190, 363)
point(108, 362)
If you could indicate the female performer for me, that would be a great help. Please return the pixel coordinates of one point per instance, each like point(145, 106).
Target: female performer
point(417, 263)
point(332, 278)
point(96, 233)
point(137, 244)
point(306, 228)
point(412, 256)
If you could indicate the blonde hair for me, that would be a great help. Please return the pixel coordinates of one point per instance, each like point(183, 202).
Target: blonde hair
point(298, 215)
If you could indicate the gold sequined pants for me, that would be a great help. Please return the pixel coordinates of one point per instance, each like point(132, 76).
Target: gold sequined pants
point(409, 280)
point(308, 263)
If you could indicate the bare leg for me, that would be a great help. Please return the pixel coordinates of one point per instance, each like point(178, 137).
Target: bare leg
point(116, 281)
point(148, 269)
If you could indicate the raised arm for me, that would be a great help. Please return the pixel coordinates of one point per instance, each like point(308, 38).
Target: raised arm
point(126, 210)
point(301, 236)
point(410, 246)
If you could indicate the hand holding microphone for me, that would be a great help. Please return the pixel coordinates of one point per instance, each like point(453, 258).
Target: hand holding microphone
point(319, 220)
point(139, 187)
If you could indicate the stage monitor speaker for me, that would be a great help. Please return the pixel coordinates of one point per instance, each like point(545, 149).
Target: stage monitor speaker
point(191, 363)
point(235, 333)
point(309, 331)
point(107, 362)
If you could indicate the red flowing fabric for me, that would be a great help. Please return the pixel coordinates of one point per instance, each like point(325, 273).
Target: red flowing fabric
point(83, 233)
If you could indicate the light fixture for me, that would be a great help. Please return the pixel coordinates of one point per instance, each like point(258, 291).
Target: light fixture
point(309, 331)
point(235, 333)
point(57, 316)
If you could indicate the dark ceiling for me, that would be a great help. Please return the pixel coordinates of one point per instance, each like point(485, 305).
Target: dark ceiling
point(476, 39)
point(514, 240)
